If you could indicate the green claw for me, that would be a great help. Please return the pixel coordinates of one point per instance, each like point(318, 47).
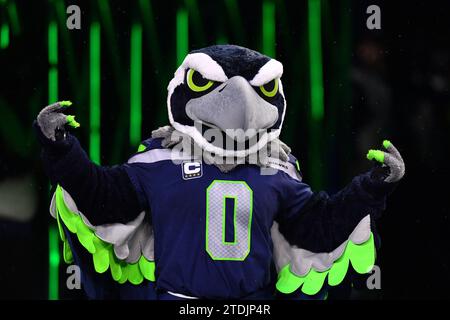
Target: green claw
point(141, 148)
point(386, 144)
point(378, 155)
point(72, 122)
point(65, 103)
point(297, 164)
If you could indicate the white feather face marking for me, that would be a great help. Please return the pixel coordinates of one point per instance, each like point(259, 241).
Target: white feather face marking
point(204, 64)
point(271, 70)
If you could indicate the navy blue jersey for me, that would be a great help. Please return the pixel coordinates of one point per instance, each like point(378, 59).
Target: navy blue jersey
point(212, 229)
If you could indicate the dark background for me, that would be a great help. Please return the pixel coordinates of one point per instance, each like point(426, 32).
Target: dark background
point(389, 83)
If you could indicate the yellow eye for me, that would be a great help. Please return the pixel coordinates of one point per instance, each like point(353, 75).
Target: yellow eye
point(270, 89)
point(196, 82)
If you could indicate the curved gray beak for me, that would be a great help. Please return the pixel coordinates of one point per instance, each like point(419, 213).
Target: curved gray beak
point(233, 106)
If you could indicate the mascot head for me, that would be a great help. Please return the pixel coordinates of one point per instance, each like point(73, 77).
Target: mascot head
point(232, 90)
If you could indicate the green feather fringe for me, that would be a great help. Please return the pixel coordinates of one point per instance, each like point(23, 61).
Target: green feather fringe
point(361, 256)
point(102, 252)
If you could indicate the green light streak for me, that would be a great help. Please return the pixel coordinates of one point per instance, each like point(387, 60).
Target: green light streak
point(53, 61)
point(53, 241)
point(268, 28)
point(236, 20)
point(52, 85)
point(67, 46)
point(13, 17)
point(53, 277)
point(316, 95)
point(136, 85)
point(4, 36)
point(152, 41)
point(53, 43)
point(315, 59)
point(148, 17)
point(194, 12)
point(182, 35)
point(120, 70)
point(94, 111)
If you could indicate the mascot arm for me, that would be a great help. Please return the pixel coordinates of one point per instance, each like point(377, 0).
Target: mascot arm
point(324, 222)
point(97, 209)
point(317, 236)
point(103, 194)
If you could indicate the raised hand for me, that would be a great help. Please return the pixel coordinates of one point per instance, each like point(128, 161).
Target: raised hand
point(390, 158)
point(51, 119)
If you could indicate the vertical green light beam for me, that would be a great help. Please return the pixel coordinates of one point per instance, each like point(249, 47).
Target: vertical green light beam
point(94, 112)
point(53, 279)
point(152, 39)
point(136, 84)
point(196, 21)
point(149, 19)
point(315, 59)
point(236, 20)
point(268, 27)
point(53, 243)
point(14, 18)
point(316, 94)
point(182, 35)
point(4, 36)
point(53, 62)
